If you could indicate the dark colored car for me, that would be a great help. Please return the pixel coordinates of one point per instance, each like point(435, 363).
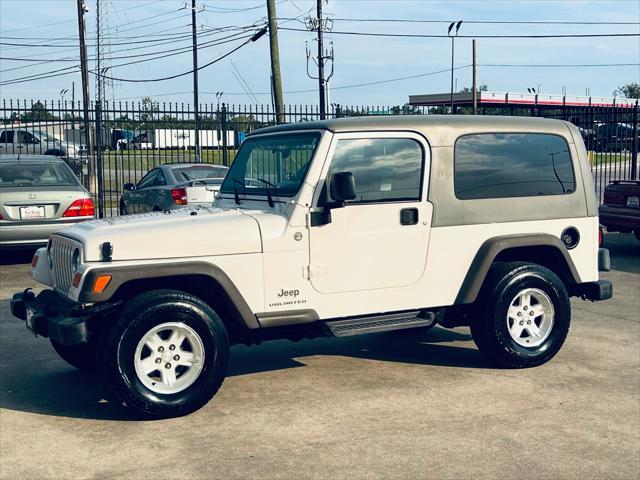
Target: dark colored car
point(172, 186)
point(620, 211)
point(614, 137)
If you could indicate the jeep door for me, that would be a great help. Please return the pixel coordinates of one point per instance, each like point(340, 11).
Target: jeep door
point(379, 239)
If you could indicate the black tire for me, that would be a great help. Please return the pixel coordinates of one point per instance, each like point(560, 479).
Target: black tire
point(123, 208)
point(490, 331)
point(82, 357)
point(116, 353)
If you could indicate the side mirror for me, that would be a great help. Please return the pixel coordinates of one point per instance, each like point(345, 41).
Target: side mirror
point(128, 186)
point(342, 187)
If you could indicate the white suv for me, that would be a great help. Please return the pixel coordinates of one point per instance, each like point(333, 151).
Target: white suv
point(332, 228)
point(29, 142)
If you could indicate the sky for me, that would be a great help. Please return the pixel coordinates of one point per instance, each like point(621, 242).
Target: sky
point(244, 76)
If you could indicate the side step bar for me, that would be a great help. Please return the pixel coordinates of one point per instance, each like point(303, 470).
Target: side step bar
point(380, 323)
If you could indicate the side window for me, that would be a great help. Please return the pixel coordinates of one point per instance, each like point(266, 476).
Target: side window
point(29, 138)
point(6, 136)
point(499, 165)
point(21, 137)
point(385, 169)
point(159, 179)
point(149, 179)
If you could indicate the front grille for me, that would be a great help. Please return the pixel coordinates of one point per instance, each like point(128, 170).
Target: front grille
point(61, 252)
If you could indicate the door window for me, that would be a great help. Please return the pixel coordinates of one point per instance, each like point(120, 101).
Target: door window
point(384, 169)
point(148, 180)
point(6, 136)
point(21, 137)
point(159, 180)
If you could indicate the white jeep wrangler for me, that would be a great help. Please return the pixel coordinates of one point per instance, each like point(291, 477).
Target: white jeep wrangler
point(333, 228)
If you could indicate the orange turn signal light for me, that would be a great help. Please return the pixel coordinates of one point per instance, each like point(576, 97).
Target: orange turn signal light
point(101, 283)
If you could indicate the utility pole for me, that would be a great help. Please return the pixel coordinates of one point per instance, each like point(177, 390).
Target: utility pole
point(82, 9)
point(474, 87)
point(319, 24)
point(276, 76)
point(323, 105)
point(195, 77)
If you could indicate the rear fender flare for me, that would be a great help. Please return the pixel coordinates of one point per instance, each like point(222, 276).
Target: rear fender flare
point(491, 249)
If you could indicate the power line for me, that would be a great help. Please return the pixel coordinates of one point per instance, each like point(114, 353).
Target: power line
point(418, 35)
point(485, 22)
point(171, 77)
point(153, 56)
point(55, 24)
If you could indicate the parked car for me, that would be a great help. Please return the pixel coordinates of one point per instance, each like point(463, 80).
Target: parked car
point(28, 142)
point(620, 211)
point(333, 228)
point(172, 186)
point(615, 137)
point(39, 195)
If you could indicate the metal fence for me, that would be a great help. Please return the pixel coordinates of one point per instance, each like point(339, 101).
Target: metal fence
point(134, 137)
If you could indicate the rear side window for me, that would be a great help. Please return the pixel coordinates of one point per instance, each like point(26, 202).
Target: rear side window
point(499, 165)
point(385, 169)
point(6, 136)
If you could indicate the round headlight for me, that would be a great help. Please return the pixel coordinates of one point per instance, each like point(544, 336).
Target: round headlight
point(75, 260)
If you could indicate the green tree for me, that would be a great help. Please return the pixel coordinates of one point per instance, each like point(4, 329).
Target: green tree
point(148, 109)
point(37, 112)
point(630, 90)
point(482, 88)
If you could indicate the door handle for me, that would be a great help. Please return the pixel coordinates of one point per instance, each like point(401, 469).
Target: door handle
point(409, 216)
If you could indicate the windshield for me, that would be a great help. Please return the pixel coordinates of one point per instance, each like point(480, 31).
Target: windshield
point(203, 173)
point(275, 165)
point(23, 174)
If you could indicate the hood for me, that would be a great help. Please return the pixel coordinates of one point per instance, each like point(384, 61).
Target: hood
point(187, 232)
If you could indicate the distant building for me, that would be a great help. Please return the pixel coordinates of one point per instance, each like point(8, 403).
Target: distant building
point(518, 100)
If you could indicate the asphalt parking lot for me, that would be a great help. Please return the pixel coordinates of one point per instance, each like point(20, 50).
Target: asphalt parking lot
point(378, 406)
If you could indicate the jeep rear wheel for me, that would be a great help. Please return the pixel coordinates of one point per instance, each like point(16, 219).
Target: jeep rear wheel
point(166, 355)
point(525, 315)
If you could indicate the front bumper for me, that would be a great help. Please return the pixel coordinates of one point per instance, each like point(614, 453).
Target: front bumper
point(50, 315)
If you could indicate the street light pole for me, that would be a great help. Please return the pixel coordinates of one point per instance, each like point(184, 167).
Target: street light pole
point(195, 79)
point(453, 46)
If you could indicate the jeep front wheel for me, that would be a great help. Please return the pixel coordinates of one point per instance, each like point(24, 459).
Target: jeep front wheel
point(166, 355)
point(525, 315)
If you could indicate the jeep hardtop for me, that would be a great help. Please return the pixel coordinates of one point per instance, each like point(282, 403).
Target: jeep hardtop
point(332, 228)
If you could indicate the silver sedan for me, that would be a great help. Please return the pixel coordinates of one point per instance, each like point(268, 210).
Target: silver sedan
point(39, 195)
point(171, 186)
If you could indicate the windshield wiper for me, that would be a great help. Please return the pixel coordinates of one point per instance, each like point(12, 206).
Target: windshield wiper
point(269, 197)
point(235, 189)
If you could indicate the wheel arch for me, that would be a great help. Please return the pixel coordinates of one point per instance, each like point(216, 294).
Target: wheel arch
point(543, 249)
point(203, 280)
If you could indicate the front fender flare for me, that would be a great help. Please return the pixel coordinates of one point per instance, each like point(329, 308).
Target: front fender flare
point(121, 275)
